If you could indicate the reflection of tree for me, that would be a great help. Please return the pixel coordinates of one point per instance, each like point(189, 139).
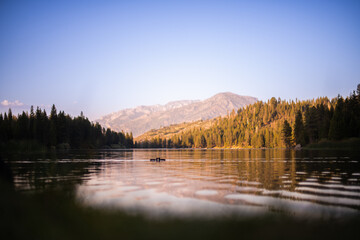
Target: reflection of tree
point(6, 176)
point(226, 170)
point(274, 169)
point(49, 172)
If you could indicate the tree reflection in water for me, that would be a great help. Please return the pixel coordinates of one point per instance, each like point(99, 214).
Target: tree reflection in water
point(216, 185)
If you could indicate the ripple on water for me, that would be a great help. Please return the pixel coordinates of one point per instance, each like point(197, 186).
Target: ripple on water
point(176, 184)
point(206, 192)
point(247, 189)
point(328, 191)
point(153, 183)
point(129, 188)
point(301, 207)
point(248, 182)
point(329, 185)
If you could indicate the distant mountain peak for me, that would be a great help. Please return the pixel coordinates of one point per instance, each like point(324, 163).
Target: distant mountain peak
point(141, 119)
point(225, 93)
point(228, 95)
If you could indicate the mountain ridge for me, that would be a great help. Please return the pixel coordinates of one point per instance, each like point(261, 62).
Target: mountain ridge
point(143, 118)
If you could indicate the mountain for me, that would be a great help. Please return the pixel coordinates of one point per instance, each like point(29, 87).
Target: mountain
point(175, 129)
point(144, 118)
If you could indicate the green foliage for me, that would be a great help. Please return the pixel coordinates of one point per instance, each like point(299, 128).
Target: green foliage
point(286, 136)
point(57, 130)
point(299, 133)
point(261, 125)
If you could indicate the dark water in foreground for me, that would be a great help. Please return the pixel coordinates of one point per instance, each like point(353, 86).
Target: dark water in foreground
point(201, 183)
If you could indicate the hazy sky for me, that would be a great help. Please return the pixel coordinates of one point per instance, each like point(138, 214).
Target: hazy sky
point(103, 56)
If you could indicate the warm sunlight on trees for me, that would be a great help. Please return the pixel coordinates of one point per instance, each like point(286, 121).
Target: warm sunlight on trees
point(286, 136)
point(262, 124)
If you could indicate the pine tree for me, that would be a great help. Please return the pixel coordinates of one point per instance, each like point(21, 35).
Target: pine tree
point(299, 134)
point(32, 123)
point(286, 134)
point(337, 124)
point(53, 125)
point(311, 126)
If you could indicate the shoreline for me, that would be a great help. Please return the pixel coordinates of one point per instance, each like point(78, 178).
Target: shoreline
point(325, 144)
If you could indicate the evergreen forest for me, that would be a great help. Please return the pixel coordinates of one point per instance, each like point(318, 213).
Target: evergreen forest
point(275, 123)
point(57, 130)
point(271, 124)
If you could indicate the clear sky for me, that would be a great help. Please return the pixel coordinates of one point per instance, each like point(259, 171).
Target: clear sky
point(103, 56)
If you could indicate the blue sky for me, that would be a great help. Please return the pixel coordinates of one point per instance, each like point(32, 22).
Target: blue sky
point(103, 56)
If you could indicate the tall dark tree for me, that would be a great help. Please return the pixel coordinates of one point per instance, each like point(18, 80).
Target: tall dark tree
point(53, 125)
point(286, 134)
point(311, 124)
point(32, 123)
point(337, 124)
point(10, 125)
point(299, 131)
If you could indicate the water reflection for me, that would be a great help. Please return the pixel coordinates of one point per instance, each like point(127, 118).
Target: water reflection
point(205, 182)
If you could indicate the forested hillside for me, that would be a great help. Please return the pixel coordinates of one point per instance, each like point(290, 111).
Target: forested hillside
point(141, 119)
point(275, 123)
point(169, 131)
point(58, 130)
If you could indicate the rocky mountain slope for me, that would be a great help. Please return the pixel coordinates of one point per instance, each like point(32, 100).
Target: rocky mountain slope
point(144, 118)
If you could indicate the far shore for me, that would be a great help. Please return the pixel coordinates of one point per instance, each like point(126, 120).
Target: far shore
point(346, 144)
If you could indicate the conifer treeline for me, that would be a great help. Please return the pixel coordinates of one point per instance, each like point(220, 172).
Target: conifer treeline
point(58, 130)
point(275, 123)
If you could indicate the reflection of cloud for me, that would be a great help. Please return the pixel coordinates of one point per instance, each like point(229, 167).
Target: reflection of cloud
point(7, 103)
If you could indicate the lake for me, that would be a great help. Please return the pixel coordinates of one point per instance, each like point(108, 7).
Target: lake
point(208, 183)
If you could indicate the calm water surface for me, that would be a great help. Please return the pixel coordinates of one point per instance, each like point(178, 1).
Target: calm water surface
point(202, 183)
